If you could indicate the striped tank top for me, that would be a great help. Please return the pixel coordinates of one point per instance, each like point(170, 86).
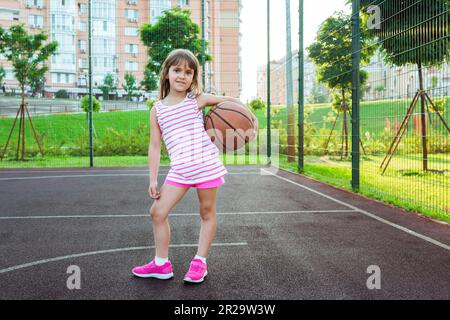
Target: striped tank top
point(194, 158)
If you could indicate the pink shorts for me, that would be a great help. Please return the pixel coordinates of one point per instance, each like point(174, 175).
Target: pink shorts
point(202, 185)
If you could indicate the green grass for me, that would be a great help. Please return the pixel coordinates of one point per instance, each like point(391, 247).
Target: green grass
point(66, 129)
point(373, 115)
point(426, 193)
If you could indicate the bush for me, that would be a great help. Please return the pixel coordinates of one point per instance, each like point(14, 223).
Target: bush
point(150, 103)
point(62, 94)
point(257, 104)
point(120, 143)
point(85, 104)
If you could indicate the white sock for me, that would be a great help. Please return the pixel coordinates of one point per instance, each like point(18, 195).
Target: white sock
point(201, 258)
point(160, 261)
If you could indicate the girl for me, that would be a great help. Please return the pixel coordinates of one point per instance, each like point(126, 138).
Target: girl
point(177, 118)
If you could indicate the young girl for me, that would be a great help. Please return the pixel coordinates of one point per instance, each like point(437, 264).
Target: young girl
point(177, 118)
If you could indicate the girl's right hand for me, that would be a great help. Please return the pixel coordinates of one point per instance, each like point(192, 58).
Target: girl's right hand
point(152, 190)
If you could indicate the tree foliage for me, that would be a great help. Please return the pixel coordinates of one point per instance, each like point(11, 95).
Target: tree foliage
point(108, 86)
point(332, 52)
point(412, 31)
point(130, 84)
point(85, 104)
point(173, 30)
point(257, 104)
point(2, 75)
point(27, 53)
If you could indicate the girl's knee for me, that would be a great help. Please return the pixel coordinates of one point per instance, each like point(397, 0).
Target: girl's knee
point(158, 214)
point(208, 207)
point(208, 212)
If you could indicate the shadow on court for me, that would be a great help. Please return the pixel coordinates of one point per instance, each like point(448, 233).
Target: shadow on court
point(280, 236)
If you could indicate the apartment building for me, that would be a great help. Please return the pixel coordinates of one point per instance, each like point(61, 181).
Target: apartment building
point(391, 82)
point(278, 95)
point(116, 46)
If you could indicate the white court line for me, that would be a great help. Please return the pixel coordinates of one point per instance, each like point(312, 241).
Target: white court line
point(371, 215)
point(174, 214)
point(84, 254)
point(108, 175)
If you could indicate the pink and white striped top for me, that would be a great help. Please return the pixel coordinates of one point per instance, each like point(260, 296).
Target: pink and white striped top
point(194, 158)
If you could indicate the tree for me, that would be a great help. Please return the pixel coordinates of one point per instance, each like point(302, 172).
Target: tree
point(28, 54)
point(332, 54)
point(2, 75)
point(150, 81)
point(108, 86)
point(318, 93)
point(130, 84)
point(173, 30)
point(37, 80)
point(380, 89)
point(61, 94)
point(414, 33)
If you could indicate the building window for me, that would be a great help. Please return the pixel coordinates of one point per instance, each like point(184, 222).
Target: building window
point(131, 14)
point(183, 3)
point(131, 66)
point(81, 8)
point(132, 32)
point(82, 45)
point(9, 75)
point(131, 48)
point(35, 21)
point(36, 3)
point(82, 63)
point(82, 26)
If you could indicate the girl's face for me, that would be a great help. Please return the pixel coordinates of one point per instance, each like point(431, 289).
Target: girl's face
point(180, 77)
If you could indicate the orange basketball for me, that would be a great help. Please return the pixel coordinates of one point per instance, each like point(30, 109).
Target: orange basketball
point(230, 126)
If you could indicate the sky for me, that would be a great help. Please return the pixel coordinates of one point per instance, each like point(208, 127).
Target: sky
point(254, 32)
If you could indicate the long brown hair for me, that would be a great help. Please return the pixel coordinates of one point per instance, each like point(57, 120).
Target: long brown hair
point(173, 59)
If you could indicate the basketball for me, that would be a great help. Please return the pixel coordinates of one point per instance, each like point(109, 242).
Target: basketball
point(229, 125)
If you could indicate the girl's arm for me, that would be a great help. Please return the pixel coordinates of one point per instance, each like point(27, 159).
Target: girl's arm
point(154, 148)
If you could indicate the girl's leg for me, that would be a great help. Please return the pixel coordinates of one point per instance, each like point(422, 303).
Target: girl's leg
point(207, 198)
point(170, 196)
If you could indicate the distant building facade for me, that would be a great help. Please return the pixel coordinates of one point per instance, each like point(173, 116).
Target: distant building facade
point(116, 46)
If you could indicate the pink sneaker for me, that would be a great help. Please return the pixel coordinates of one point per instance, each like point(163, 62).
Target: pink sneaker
point(151, 270)
point(197, 272)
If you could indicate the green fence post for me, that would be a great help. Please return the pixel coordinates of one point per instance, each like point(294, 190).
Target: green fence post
point(356, 60)
point(91, 153)
point(301, 90)
point(268, 84)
